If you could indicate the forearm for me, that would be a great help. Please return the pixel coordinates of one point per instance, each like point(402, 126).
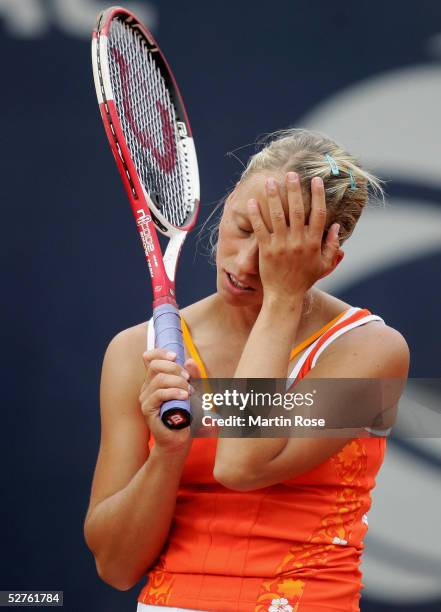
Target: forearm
point(127, 531)
point(266, 355)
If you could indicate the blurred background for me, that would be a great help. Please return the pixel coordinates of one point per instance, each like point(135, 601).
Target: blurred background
point(368, 73)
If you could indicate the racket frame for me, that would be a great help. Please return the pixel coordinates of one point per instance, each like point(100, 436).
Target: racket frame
point(148, 217)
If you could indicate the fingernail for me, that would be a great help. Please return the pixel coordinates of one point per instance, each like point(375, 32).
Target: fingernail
point(170, 355)
point(318, 181)
point(185, 374)
point(337, 228)
point(271, 184)
point(183, 394)
point(292, 177)
point(191, 389)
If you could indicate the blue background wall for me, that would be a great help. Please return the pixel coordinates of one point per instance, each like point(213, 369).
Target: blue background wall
point(74, 275)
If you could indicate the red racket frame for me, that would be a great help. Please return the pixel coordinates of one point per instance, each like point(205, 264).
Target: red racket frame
point(164, 289)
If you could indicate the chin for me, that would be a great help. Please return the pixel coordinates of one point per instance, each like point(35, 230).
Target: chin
point(252, 299)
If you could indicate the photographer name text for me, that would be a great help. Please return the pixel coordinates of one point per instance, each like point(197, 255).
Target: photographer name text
point(259, 421)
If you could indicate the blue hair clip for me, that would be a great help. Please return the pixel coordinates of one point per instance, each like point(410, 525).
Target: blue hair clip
point(351, 177)
point(333, 165)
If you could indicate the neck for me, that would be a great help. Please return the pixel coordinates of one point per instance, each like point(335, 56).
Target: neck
point(240, 320)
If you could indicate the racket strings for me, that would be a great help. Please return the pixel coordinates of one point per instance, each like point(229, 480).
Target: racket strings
point(148, 121)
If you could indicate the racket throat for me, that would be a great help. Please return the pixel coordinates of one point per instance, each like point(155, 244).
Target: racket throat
point(164, 289)
point(171, 255)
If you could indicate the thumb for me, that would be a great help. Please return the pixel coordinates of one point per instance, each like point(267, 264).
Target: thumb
point(192, 368)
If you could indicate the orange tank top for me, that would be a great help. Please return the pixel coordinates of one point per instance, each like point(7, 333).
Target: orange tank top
point(292, 547)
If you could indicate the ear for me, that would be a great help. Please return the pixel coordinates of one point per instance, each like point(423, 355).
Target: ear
point(337, 259)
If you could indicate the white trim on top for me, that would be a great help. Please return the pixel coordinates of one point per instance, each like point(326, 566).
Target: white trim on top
point(341, 331)
point(295, 371)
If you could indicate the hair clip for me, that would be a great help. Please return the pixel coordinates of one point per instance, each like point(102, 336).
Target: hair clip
point(333, 165)
point(351, 177)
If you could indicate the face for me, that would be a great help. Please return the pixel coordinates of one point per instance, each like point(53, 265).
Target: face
point(237, 257)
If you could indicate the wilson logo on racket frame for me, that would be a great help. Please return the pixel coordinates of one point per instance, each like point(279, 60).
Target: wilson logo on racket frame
point(168, 158)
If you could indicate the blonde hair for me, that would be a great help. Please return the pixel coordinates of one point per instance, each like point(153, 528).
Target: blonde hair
point(305, 152)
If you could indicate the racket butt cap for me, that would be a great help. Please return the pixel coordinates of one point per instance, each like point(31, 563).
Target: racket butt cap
point(176, 418)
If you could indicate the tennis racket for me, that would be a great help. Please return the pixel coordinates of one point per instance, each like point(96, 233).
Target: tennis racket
point(151, 140)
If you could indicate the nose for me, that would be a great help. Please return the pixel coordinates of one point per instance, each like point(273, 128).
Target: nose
point(248, 257)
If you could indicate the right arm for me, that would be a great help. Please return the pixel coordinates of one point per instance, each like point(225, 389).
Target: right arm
point(134, 492)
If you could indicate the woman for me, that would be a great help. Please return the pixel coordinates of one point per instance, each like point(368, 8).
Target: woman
point(248, 524)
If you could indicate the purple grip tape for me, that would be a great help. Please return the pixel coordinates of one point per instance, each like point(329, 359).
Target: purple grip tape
point(175, 414)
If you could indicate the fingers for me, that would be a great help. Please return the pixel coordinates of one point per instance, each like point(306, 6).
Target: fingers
point(165, 380)
point(169, 381)
point(156, 362)
point(317, 217)
point(158, 353)
point(295, 203)
point(152, 393)
point(259, 228)
point(151, 401)
point(277, 214)
point(161, 360)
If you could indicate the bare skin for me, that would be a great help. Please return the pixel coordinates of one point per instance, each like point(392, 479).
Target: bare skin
point(274, 245)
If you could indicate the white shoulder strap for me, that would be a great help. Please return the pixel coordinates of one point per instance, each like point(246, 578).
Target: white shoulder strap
point(295, 371)
point(343, 330)
point(336, 334)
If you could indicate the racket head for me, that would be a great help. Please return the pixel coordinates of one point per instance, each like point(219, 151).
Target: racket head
point(146, 121)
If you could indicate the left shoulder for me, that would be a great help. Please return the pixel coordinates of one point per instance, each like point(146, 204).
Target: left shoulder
point(373, 349)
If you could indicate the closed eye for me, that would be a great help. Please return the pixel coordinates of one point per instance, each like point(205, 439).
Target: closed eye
point(245, 230)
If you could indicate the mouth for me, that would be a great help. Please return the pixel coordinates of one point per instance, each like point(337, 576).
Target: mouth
point(235, 284)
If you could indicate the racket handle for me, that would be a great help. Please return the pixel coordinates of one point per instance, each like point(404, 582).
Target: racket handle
point(175, 414)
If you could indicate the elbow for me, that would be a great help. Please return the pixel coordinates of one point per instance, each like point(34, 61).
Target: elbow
point(109, 573)
point(116, 574)
point(115, 579)
point(235, 479)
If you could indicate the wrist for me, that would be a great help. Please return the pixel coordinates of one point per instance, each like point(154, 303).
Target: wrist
point(171, 457)
point(278, 303)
